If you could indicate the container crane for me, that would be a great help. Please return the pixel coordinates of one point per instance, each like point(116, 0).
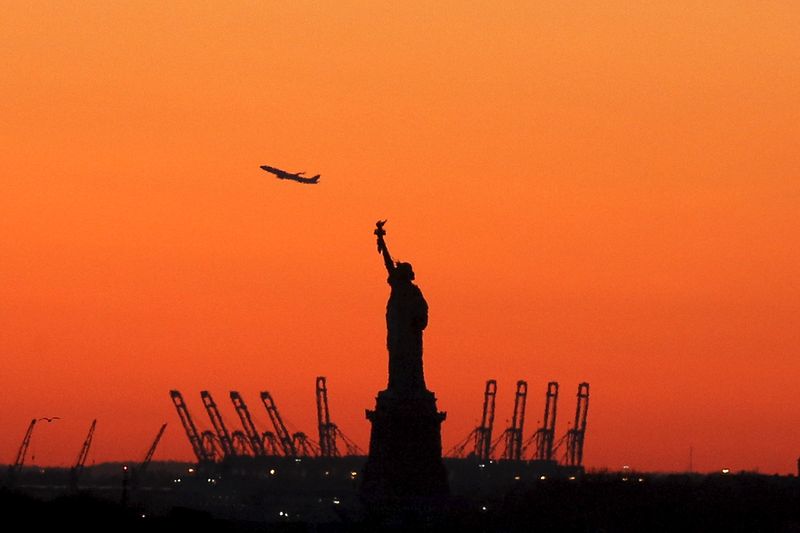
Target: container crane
point(149, 455)
point(138, 472)
point(329, 433)
point(77, 470)
point(481, 436)
point(545, 435)
point(327, 430)
point(483, 433)
point(219, 425)
point(195, 439)
point(283, 436)
point(256, 440)
point(15, 469)
point(575, 436)
point(513, 434)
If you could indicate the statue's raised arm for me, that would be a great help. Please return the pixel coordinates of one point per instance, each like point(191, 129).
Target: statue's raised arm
point(382, 249)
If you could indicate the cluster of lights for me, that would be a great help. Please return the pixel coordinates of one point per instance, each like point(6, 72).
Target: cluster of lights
point(542, 477)
point(212, 481)
point(176, 480)
point(726, 470)
point(284, 514)
point(336, 501)
point(353, 474)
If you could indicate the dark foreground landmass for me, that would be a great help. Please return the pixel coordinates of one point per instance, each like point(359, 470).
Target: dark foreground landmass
point(599, 502)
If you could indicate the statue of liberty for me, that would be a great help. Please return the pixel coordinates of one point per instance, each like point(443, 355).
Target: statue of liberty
point(406, 317)
point(404, 473)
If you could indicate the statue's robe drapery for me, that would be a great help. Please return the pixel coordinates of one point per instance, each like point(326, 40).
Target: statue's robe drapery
point(406, 317)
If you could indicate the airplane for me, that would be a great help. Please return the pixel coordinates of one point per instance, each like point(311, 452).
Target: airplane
point(283, 175)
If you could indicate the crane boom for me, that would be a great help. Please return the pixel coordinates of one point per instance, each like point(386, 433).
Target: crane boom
point(513, 450)
point(23, 449)
point(576, 435)
point(14, 469)
point(284, 438)
point(138, 472)
point(149, 455)
point(480, 436)
point(256, 441)
point(546, 433)
point(483, 433)
point(188, 425)
point(84, 453)
point(219, 424)
point(75, 471)
point(327, 430)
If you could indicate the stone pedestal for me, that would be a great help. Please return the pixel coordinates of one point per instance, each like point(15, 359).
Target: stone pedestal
point(404, 469)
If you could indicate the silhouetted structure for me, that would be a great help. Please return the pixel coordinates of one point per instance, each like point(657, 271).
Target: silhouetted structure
point(212, 448)
point(152, 450)
point(576, 435)
point(545, 435)
point(327, 430)
point(513, 434)
point(76, 471)
point(404, 469)
point(284, 438)
point(195, 438)
point(219, 424)
point(138, 472)
point(15, 468)
point(256, 440)
point(481, 436)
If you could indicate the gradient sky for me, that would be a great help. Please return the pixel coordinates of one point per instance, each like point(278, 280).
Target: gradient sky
point(605, 193)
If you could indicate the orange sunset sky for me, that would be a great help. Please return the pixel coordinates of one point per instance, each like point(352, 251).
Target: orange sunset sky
point(601, 192)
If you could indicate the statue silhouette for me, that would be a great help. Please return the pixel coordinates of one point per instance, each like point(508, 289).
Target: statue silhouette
point(404, 473)
point(406, 317)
